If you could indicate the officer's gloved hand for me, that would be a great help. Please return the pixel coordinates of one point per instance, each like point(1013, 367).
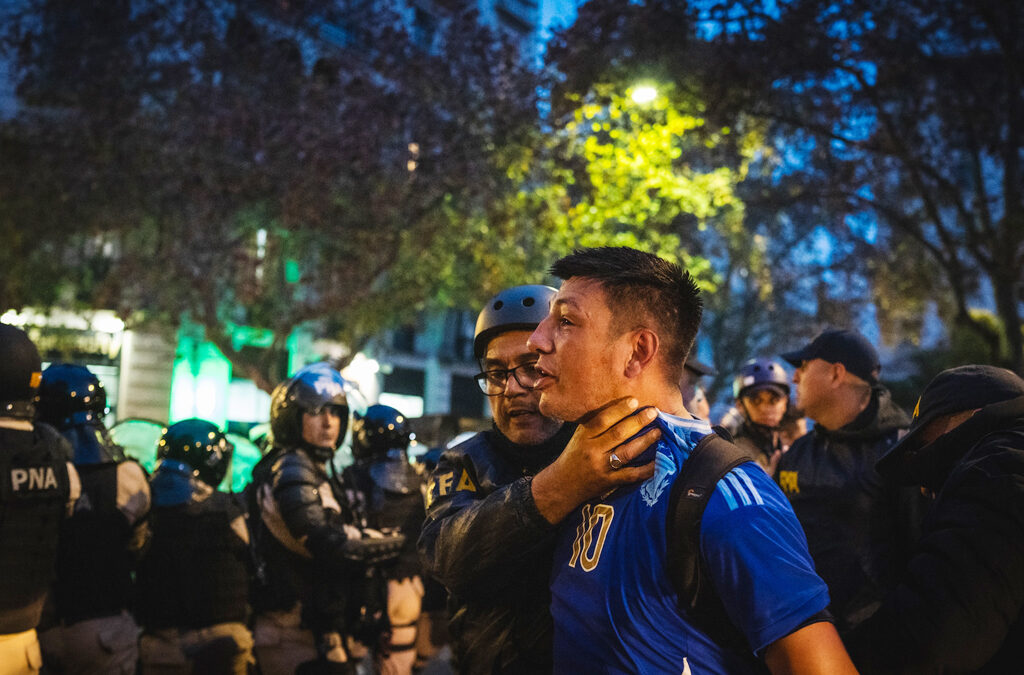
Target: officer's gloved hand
point(374, 547)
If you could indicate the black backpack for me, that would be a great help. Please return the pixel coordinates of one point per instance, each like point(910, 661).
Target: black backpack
point(713, 457)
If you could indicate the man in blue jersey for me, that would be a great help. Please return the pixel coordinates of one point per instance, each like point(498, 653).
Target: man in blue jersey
point(486, 537)
point(616, 336)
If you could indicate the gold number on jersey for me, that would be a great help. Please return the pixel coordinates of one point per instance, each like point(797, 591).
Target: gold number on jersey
point(601, 516)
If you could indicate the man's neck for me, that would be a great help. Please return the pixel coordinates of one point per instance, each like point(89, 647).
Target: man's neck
point(845, 409)
point(667, 399)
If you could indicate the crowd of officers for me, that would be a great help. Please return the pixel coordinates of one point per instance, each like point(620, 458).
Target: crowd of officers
point(312, 568)
point(104, 569)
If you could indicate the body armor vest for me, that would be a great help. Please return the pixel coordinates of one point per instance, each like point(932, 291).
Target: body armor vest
point(34, 491)
point(93, 562)
point(195, 572)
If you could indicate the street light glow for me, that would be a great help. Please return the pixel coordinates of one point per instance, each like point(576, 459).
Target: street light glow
point(644, 94)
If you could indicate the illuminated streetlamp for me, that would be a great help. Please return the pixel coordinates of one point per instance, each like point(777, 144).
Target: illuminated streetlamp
point(644, 94)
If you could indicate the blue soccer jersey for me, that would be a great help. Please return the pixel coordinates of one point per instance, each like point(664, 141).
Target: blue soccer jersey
point(616, 610)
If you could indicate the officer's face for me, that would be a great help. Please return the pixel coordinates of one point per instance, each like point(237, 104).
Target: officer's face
point(814, 381)
point(321, 429)
point(515, 412)
point(766, 407)
point(582, 357)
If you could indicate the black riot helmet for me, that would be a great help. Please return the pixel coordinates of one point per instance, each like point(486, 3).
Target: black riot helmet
point(200, 446)
point(20, 373)
point(758, 374)
point(72, 399)
point(310, 390)
point(516, 308)
point(70, 395)
point(377, 431)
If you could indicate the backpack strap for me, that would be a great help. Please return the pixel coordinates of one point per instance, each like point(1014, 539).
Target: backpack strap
point(712, 458)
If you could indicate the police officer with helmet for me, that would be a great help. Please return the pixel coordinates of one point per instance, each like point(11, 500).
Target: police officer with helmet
point(484, 538)
point(761, 393)
point(389, 493)
point(313, 562)
point(38, 487)
point(193, 580)
point(101, 542)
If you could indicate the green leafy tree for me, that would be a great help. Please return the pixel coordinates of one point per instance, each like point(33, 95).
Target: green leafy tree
point(720, 191)
point(251, 164)
point(910, 117)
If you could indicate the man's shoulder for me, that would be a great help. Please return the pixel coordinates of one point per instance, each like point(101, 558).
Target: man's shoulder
point(294, 465)
point(477, 448)
point(997, 453)
point(746, 485)
point(222, 502)
point(682, 432)
point(478, 442)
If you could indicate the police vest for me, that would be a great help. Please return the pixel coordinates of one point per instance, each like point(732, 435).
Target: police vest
point(94, 564)
point(195, 572)
point(34, 491)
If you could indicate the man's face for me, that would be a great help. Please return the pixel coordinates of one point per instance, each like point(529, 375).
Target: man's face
point(765, 406)
point(581, 362)
point(321, 429)
point(812, 380)
point(942, 425)
point(515, 412)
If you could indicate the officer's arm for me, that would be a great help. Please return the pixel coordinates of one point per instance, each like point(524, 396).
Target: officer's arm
point(474, 543)
point(74, 489)
point(296, 490)
point(133, 500)
point(811, 650)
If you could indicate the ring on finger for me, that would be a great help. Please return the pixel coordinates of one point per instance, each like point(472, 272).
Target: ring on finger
point(614, 462)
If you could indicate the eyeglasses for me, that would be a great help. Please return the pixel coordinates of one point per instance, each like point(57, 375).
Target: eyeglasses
point(493, 382)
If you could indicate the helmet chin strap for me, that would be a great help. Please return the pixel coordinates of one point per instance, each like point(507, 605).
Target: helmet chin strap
point(321, 453)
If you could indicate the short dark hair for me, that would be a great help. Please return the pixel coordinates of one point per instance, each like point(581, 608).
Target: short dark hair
point(643, 288)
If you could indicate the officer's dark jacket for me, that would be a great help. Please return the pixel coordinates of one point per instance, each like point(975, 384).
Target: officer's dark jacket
point(958, 605)
point(300, 539)
point(195, 572)
point(35, 487)
point(98, 544)
point(858, 525)
point(485, 540)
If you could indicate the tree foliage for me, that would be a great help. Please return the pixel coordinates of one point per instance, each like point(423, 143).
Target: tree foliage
point(245, 163)
point(742, 216)
point(891, 170)
point(912, 112)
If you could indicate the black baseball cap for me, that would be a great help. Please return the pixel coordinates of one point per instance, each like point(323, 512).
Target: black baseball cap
point(952, 391)
point(847, 347)
point(698, 367)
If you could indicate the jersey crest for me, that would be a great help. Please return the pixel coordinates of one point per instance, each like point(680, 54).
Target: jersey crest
point(664, 469)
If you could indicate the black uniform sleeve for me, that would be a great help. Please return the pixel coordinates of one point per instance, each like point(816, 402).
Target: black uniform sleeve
point(964, 586)
point(479, 534)
point(296, 486)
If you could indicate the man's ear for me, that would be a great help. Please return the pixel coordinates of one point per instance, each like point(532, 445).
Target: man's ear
point(645, 347)
point(838, 374)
